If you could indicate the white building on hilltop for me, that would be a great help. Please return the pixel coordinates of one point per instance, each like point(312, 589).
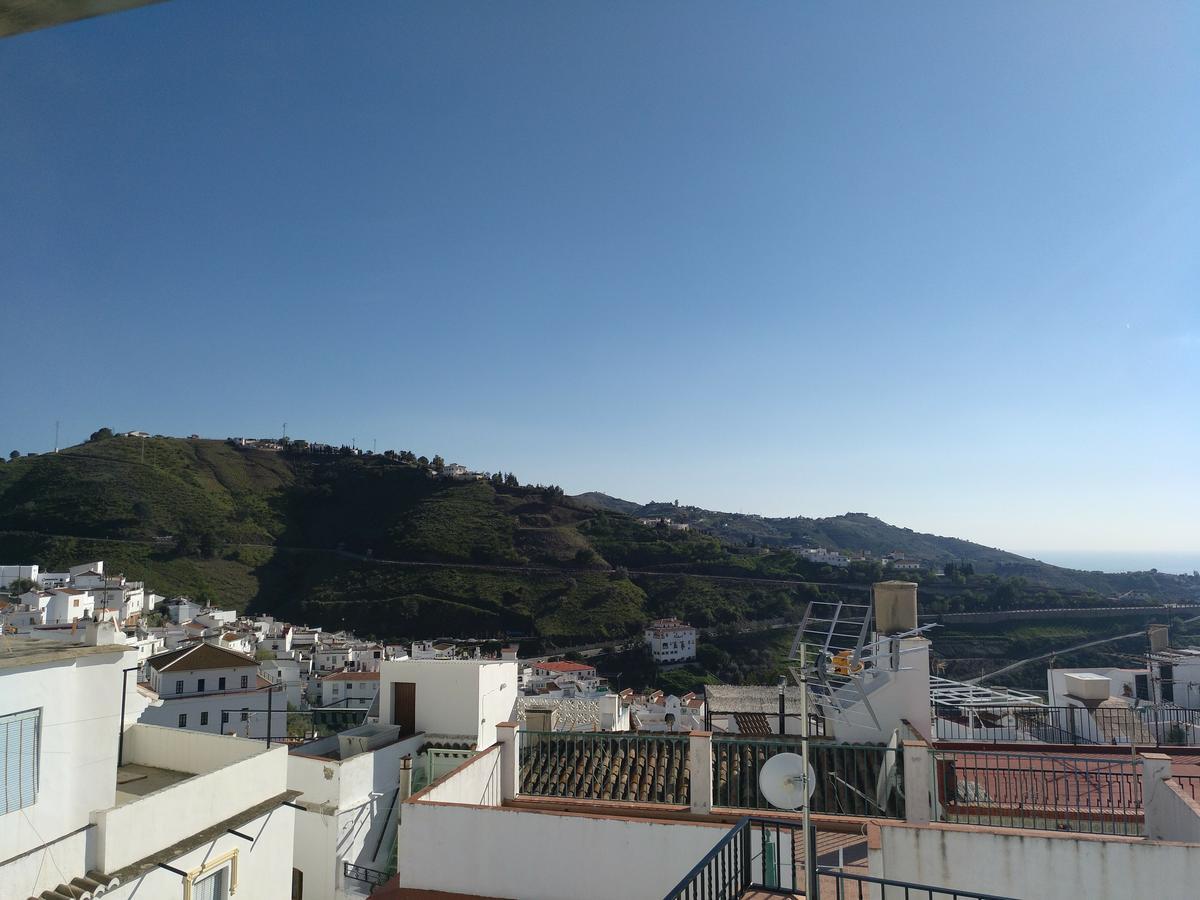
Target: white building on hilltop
point(671, 640)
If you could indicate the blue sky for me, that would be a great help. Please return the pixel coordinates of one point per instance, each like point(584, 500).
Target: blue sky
point(934, 262)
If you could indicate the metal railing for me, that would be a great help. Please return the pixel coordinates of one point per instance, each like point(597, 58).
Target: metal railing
point(1101, 795)
point(851, 886)
point(768, 855)
point(852, 779)
point(646, 768)
point(362, 873)
point(1190, 785)
point(1157, 726)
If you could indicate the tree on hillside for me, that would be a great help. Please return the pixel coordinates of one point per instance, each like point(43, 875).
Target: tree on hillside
point(422, 461)
point(15, 454)
point(510, 480)
point(437, 463)
point(100, 434)
point(497, 478)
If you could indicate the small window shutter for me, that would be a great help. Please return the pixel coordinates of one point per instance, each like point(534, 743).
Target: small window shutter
point(19, 739)
point(212, 887)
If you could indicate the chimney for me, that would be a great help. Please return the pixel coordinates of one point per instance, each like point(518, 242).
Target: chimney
point(405, 778)
point(895, 606)
point(1159, 638)
point(508, 653)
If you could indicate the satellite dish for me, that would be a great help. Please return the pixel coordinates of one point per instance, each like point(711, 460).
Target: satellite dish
point(886, 781)
point(781, 780)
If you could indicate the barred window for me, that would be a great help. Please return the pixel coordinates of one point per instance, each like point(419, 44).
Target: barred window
point(20, 746)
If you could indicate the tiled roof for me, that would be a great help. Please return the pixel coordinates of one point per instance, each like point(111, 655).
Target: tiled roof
point(564, 667)
point(199, 656)
point(605, 766)
point(752, 723)
point(350, 676)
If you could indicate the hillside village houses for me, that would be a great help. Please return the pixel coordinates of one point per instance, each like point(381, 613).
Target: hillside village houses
point(438, 774)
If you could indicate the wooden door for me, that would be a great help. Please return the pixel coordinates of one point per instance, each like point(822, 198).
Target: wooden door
point(404, 707)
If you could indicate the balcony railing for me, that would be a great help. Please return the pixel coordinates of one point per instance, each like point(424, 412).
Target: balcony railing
point(362, 873)
point(1157, 726)
point(766, 855)
point(645, 768)
point(852, 779)
point(1101, 795)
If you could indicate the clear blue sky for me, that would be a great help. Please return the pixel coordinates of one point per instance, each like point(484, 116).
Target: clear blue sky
point(936, 262)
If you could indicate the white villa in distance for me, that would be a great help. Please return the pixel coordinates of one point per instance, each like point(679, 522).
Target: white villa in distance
point(671, 640)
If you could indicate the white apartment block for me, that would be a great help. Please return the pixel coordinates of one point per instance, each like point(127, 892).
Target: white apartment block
point(671, 640)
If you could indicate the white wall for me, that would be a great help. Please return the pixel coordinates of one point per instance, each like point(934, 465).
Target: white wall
point(264, 867)
point(166, 713)
point(545, 856)
point(1035, 865)
point(342, 819)
point(466, 697)
point(80, 701)
point(134, 830)
point(475, 782)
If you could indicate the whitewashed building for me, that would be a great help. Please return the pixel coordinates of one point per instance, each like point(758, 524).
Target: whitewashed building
point(354, 690)
point(208, 688)
point(92, 806)
point(671, 640)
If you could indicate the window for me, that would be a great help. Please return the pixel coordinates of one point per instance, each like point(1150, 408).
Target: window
point(183, 720)
point(224, 718)
point(245, 681)
point(245, 714)
point(179, 687)
point(20, 743)
point(200, 685)
point(212, 887)
point(204, 718)
point(220, 684)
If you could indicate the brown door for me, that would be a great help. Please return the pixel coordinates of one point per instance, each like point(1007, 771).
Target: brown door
point(404, 707)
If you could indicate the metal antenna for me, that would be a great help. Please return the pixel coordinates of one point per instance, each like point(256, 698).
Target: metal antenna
point(56, 435)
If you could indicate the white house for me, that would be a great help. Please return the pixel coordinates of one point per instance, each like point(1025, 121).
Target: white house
point(355, 690)
point(284, 670)
point(68, 605)
point(563, 678)
point(463, 698)
point(824, 557)
point(433, 650)
point(671, 640)
point(95, 806)
point(351, 786)
point(9, 574)
point(208, 688)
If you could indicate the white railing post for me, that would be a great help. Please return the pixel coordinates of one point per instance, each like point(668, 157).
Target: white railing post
point(510, 760)
point(700, 771)
point(918, 782)
point(1156, 769)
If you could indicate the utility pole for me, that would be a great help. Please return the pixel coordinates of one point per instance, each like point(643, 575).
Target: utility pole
point(56, 435)
point(812, 886)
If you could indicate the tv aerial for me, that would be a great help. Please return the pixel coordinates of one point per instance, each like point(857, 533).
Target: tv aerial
point(786, 781)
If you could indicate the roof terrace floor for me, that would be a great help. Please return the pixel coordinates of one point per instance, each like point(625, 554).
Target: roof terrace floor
point(134, 781)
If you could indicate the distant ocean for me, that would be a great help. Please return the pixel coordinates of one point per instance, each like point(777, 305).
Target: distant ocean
point(1116, 561)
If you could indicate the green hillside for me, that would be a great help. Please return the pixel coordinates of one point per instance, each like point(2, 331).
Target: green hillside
point(385, 547)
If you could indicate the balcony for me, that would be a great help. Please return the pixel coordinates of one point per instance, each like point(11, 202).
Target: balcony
point(173, 785)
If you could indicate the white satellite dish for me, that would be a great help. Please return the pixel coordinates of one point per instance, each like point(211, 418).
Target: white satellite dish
point(781, 780)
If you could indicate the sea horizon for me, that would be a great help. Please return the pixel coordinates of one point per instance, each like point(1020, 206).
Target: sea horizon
point(1179, 562)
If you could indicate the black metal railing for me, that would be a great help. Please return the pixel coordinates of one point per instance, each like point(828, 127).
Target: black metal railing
point(624, 766)
point(1101, 795)
point(851, 886)
point(362, 873)
point(768, 855)
point(852, 779)
point(1156, 726)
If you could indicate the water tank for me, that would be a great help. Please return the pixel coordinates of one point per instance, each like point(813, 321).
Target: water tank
point(895, 606)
